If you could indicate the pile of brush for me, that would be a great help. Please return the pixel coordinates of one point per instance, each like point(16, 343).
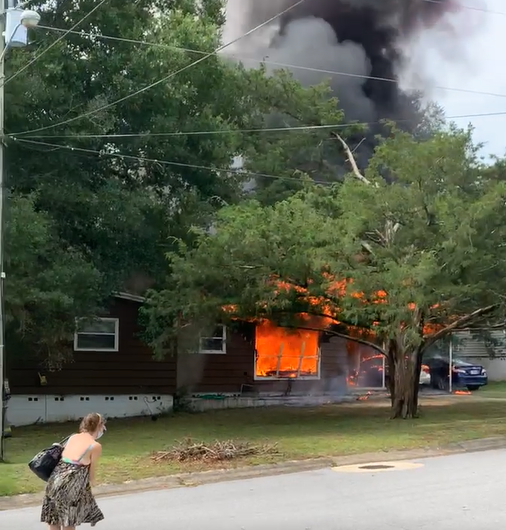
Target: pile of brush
point(191, 451)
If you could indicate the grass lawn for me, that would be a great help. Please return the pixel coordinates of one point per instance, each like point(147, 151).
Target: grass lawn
point(300, 433)
point(493, 390)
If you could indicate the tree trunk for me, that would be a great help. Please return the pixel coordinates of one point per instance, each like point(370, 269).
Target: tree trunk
point(404, 381)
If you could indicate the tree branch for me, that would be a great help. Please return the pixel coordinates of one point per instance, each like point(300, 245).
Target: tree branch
point(351, 159)
point(359, 340)
point(457, 324)
point(337, 321)
point(343, 336)
point(359, 176)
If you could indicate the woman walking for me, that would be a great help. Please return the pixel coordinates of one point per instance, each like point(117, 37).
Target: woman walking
point(68, 501)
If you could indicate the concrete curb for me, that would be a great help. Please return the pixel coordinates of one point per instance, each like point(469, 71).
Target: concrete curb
point(182, 480)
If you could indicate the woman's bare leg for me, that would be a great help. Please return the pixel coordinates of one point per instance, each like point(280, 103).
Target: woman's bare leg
point(68, 528)
point(54, 527)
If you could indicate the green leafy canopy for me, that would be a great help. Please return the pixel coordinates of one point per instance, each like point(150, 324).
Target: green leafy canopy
point(427, 230)
point(121, 215)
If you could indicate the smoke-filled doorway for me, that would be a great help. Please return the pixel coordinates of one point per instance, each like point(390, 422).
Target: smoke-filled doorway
point(282, 353)
point(366, 367)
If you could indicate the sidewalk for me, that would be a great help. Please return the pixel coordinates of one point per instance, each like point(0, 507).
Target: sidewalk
point(209, 477)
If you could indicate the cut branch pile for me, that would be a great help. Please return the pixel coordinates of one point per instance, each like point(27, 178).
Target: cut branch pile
point(190, 451)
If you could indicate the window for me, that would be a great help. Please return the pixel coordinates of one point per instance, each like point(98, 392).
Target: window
point(283, 353)
point(279, 367)
point(216, 343)
point(98, 335)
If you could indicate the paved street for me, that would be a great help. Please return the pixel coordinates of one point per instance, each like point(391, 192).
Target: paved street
point(448, 493)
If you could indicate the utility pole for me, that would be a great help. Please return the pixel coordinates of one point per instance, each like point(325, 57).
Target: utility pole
point(25, 19)
point(3, 396)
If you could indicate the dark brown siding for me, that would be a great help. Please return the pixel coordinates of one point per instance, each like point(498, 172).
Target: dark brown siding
point(228, 372)
point(130, 370)
point(220, 372)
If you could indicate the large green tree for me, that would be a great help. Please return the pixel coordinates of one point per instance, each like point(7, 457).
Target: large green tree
point(69, 114)
point(50, 284)
point(120, 210)
point(398, 257)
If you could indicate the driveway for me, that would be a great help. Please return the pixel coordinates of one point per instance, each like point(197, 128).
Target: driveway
point(448, 493)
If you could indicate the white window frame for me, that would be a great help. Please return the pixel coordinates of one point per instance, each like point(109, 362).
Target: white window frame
point(298, 377)
point(116, 337)
point(223, 339)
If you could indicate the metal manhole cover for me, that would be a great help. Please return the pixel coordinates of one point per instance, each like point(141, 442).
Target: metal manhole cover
point(376, 466)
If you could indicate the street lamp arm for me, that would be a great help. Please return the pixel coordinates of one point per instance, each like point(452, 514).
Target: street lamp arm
point(28, 19)
point(7, 42)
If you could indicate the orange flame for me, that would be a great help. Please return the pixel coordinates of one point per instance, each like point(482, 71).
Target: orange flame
point(351, 381)
point(462, 393)
point(286, 353)
point(339, 288)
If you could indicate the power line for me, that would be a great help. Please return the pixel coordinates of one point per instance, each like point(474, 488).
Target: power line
point(279, 64)
point(374, 78)
point(52, 45)
point(169, 76)
point(237, 171)
point(247, 131)
point(200, 133)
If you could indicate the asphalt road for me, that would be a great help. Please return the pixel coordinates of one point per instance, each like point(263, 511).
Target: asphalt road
point(461, 492)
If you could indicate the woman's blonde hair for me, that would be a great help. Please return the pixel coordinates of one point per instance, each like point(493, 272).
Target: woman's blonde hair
point(91, 422)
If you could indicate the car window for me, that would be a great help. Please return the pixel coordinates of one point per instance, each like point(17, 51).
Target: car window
point(460, 362)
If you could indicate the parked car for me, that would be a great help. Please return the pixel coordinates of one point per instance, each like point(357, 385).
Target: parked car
point(371, 373)
point(464, 374)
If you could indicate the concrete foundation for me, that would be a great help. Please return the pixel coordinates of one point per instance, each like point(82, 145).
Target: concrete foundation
point(203, 403)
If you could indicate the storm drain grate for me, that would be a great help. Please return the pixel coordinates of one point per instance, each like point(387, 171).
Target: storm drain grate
point(376, 466)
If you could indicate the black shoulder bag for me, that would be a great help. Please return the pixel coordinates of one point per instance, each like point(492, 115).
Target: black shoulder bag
point(44, 463)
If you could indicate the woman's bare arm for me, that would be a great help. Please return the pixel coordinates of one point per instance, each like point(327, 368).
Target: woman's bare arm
point(96, 452)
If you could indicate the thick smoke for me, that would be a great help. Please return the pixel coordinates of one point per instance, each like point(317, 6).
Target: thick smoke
point(362, 38)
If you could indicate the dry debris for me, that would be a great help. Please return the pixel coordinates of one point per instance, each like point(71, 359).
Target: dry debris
point(190, 451)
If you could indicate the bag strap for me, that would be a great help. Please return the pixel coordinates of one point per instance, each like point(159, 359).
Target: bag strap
point(64, 442)
point(84, 454)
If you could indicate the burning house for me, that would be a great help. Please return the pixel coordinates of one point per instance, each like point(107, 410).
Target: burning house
point(363, 46)
point(114, 372)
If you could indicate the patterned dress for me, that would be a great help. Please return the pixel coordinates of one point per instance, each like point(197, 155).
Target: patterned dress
point(68, 500)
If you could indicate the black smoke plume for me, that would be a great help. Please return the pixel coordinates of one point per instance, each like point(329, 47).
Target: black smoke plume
point(363, 38)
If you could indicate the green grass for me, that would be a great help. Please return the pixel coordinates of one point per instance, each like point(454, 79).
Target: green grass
point(494, 390)
point(300, 433)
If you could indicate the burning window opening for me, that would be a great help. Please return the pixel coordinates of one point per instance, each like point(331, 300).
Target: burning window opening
point(283, 353)
point(366, 369)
